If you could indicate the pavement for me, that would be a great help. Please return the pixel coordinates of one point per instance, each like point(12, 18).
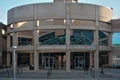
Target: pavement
point(60, 75)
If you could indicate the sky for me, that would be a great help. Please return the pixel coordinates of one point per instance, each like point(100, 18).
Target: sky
point(5, 5)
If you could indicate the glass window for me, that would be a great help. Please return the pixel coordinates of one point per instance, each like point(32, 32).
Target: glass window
point(56, 37)
point(116, 39)
point(103, 38)
point(24, 41)
point(81, 37)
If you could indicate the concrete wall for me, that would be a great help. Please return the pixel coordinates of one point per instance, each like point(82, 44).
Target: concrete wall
point(58, 11)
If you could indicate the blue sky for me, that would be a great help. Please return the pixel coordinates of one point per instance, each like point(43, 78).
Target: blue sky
point(5, 5)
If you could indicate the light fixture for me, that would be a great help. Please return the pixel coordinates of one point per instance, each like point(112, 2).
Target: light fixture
point(11, 26)
point(38, 23)
point(64, 21)
point(3, 32)
point(38, 31)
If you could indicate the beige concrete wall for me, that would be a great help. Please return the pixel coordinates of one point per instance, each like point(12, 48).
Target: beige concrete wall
point(116, 50)
point(58, 11)
point(82, 16)
point(116, 25)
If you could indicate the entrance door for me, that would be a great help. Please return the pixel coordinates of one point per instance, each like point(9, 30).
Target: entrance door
point(49, 62)
point(78, 62)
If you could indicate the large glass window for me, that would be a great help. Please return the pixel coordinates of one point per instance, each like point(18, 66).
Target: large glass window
point(103, 38)
point(81, 37)
point(24, 41)
point(53, 37)
point(116, 39)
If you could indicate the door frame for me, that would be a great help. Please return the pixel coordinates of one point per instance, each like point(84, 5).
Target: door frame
point(79, 63)
point(47, 63)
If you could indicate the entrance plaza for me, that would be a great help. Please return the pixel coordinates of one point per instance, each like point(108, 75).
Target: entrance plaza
point(109, 74)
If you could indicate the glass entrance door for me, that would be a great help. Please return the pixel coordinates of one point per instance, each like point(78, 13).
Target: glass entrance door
point(49, 62)
point(78, 62)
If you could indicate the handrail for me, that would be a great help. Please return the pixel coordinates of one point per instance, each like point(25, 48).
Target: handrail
point(7, 70)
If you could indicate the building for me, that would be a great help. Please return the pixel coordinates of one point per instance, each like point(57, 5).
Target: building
point(61, 35)
point(116, 48)
point(3, 45)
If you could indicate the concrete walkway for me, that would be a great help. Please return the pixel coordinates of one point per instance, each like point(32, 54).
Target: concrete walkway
point(62, 79)
point(60, 75)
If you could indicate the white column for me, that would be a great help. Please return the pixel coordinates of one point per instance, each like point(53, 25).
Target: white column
point(36, 61)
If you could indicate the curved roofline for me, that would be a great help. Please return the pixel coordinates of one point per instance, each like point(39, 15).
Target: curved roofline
point(68, 3)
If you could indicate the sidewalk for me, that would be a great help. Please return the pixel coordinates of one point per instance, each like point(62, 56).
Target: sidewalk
point(62, 79)
point(61, 75)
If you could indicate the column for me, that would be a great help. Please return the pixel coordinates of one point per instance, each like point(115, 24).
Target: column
point(68, 24)
point(96, 40)
point(110, 58)
point(31, 59)
point(96, 52)
point(36, 37)
point(8, 40)
point(91, 59)
point(110, 39)
point(36, 60)
point(15, 39)
point(59, 62)
point(36, 42)
point(68, 61)
point(96, 60)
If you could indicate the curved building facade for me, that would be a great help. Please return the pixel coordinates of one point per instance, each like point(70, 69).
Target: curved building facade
point(60, 35)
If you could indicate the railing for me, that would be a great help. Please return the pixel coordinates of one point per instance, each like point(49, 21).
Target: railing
point(6, 72)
